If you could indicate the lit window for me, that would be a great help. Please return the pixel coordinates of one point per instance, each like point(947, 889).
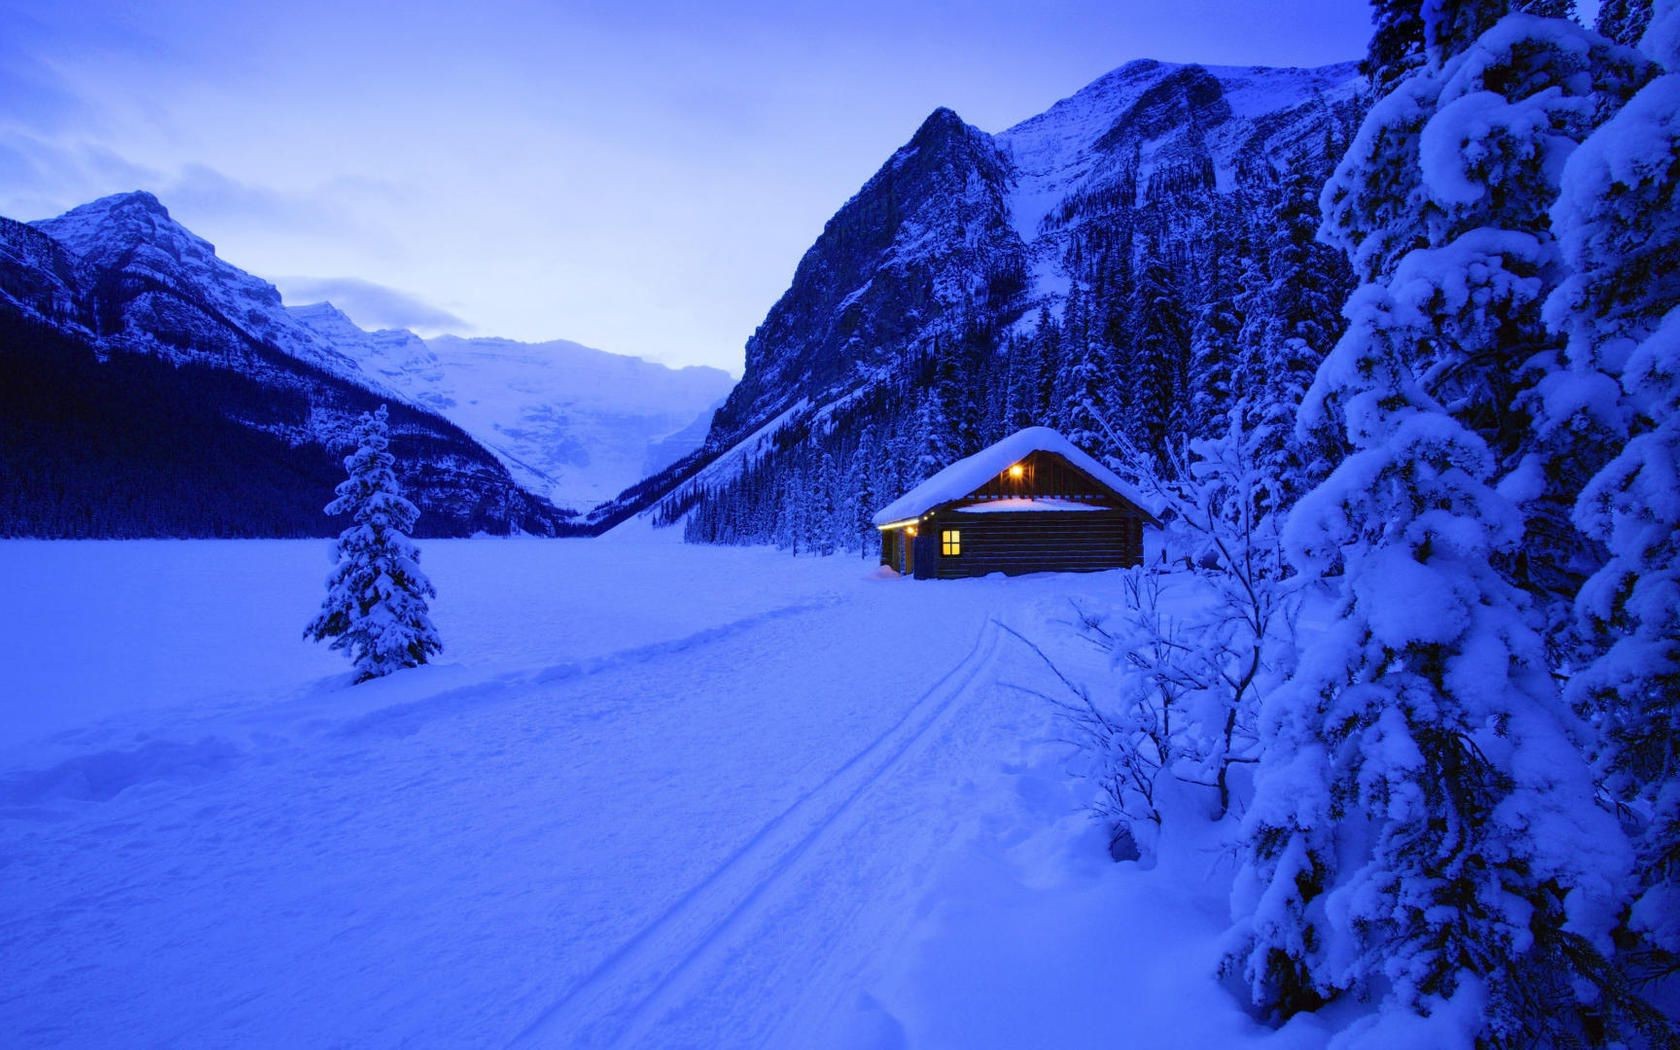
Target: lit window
point(950, 543)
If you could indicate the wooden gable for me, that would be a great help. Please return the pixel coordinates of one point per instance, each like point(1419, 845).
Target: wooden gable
point(1046, 475)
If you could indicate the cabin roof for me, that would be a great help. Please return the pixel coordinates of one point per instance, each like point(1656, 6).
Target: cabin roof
point(965, 475)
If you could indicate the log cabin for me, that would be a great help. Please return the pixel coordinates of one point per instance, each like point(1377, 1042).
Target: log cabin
point(1033, 502)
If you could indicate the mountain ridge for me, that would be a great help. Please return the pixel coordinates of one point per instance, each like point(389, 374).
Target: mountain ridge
point(976, 277)
point(120, 280)
point(1029, 168)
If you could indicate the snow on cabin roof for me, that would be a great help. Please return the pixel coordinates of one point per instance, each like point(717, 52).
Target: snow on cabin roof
point(965, 475)
point(1021, 504)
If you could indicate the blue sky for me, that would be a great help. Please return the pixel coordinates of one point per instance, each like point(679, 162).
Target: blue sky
point(641, 177)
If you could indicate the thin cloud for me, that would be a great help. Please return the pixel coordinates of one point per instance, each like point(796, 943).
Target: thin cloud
point(372, 305)
point(205, 193)
point(40, 178)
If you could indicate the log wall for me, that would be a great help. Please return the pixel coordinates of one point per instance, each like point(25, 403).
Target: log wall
point(1030, 541)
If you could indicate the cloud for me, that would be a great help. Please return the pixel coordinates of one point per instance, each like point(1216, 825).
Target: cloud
point(333, 207)
point(48, 49)
point(372, 305)
point(40, 178)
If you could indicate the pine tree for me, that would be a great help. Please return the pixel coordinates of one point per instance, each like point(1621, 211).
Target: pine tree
point(1294, 306)
point(1212, 379)
point(827, 522)
point(1623, 21)
point(1083, 386)
point(1451, 26)
point(1426, 722)
point(376, 596)
point(1396, 43)
point(1161, 328)
point(1618, 223)
point(867, 495)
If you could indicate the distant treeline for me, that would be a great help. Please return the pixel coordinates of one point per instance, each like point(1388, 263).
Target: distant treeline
point(137, 446)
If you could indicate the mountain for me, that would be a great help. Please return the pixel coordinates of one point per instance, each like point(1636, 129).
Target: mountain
point(154, 389)
point(1115, 267)
point(130, 332)
point(675, 447)
point(569, 422)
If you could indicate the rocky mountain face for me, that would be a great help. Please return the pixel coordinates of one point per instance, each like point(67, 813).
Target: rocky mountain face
point(930, 233)
point(1116, 265)
point(154, 389)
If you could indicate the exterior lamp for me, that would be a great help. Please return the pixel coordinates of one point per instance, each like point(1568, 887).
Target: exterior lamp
point(1017, 471)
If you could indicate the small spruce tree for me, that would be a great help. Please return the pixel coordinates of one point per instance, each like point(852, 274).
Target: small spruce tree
point(376, 595)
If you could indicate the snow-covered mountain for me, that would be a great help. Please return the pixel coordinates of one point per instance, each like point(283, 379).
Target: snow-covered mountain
point(937, 274)
point(961, 221)
point(134, 236)
point(584, 420)
point(492, 435)
point(571, 422)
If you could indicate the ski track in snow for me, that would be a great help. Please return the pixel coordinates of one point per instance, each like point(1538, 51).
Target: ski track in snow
point(655, 796)
point(405, 719)
point(647, 972)
point(666, 844)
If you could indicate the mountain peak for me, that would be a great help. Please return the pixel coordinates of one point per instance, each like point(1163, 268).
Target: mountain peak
point(143, 199)
point(134, 233)
point(118, 223)
point(134, 203)
point(941, 123)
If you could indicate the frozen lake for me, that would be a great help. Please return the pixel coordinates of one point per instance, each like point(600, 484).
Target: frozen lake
point(651, 794)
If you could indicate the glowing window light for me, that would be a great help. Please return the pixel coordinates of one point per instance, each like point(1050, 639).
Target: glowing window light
point(1017, 472)
point(950, 543)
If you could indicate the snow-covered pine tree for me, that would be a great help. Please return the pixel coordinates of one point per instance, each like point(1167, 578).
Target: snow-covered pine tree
point(1297, 323)
point(865, 496)
point(1085, 410)
point(1396, 43)
point(1074, 350)
point(1161, 335)
point(1623, 21)
point(828, 524)
point(1618, 224)
point(376, 596)
point(1213, 333)
point(1472, 147)
point(1451, 26)
point(1423, 819)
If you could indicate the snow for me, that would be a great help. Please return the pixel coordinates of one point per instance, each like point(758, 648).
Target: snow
point(965, 475)
point(1006, 506)
point(739, 456)
point(135, 232)
point(571, 423)
point(650, 794)
point(1059, 153)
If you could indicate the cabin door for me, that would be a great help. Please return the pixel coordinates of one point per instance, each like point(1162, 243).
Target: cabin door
point(906, 553)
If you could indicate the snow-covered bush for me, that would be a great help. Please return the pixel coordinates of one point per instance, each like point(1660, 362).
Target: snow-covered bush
point(1192, 650)
point(376, 596)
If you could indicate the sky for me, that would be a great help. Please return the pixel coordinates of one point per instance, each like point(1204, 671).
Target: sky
point(638, 177)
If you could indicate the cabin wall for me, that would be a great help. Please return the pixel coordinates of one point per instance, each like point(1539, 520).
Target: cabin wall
point(895, 544)
point(1030, 541)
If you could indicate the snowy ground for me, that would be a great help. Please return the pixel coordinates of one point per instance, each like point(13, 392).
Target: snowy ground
point(653, 795)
